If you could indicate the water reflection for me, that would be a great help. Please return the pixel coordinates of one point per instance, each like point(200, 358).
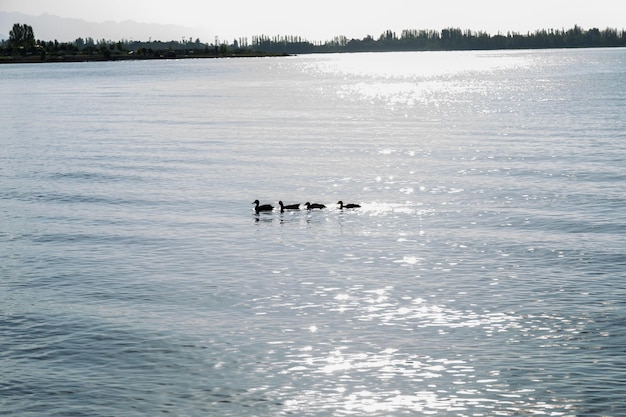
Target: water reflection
point(426, 79)
point(390, 382)
point(408, 65)
point(358, 368)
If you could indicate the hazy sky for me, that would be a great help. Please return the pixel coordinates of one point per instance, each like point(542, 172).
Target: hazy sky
point(324, 19)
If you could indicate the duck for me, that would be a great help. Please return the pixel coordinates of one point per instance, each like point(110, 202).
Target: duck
point(265, 207)
point(347, 206)
point(288, 206)
point(310, 206)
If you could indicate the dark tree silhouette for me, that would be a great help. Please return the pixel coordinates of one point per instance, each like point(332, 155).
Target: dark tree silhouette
point(22, 36)
point(22, 45)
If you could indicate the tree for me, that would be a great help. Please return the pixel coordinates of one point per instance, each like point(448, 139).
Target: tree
point(22, 36)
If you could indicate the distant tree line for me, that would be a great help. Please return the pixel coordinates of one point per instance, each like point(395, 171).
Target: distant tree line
point(448, 39)
point(23, 44)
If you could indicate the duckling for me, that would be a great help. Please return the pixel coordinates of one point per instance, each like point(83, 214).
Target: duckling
point(288, 206)
point(265, 207)
point(310, 206)
point(347, 206)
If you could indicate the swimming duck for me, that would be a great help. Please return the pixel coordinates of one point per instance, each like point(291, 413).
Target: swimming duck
point(264, 207)
point(310, 206)
point(347, 206)
point(288, 206)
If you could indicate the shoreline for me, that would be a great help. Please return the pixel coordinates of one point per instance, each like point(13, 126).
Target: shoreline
point(37, 59)
point(48, 59)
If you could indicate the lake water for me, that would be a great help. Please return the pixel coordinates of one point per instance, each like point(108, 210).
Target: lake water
point(484, 274)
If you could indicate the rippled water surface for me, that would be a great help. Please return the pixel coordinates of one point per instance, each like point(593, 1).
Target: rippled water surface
point(484, 273)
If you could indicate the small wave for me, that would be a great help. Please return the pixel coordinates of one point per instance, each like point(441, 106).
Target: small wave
point(93, 177)
point(55, 197)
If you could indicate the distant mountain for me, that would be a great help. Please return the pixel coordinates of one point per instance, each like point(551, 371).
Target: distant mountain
point(49, 28)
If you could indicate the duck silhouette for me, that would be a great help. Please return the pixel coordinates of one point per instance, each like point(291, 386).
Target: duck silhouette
point(288, 206)
point(347, 206)
point(310, 206)
point(259, 208)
